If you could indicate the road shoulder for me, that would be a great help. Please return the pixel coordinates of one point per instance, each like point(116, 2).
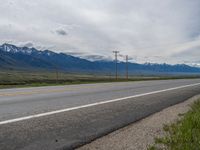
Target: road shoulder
point(141, 134)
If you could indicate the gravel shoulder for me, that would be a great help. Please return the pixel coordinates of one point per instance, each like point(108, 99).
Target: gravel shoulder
point(141, 134)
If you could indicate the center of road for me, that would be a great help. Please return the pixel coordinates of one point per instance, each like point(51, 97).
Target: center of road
point(92, 104)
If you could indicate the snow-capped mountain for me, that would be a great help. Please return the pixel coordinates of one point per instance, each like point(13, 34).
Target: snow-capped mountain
point(14, 49)
point(195, 64)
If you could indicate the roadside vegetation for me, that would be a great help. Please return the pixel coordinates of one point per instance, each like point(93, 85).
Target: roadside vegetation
point(182, 135)
point(11, 78)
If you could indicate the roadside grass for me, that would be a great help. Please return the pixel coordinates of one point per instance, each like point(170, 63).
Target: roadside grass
point(12, 78)
point(182, 135)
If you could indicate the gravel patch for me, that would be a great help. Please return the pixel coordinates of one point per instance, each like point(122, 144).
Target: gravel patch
point(141, 134)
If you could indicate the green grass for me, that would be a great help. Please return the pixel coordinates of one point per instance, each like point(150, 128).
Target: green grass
point(12, 78)
point(182, 135)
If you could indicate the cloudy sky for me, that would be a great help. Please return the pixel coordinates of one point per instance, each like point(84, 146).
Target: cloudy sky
point(147, 30)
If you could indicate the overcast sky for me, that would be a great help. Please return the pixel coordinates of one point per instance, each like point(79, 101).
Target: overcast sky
point(147, 30)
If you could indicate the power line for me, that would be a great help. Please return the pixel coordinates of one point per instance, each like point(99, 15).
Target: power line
point(116, 61)
point(126, 57)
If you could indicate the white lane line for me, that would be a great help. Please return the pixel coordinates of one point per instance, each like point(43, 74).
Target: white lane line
point(93, 104)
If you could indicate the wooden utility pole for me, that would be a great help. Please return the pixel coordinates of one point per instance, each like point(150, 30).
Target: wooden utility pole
point(127, 67)
point(116, 61)
point(56, 74)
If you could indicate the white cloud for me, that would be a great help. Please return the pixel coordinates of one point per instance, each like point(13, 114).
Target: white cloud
point(147, 30)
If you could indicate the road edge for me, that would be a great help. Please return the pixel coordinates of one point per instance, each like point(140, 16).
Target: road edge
point(141, 134)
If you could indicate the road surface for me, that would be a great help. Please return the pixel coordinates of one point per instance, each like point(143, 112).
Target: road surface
point(65, 117)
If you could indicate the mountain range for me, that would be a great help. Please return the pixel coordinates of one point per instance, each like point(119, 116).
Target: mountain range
point(23, 58)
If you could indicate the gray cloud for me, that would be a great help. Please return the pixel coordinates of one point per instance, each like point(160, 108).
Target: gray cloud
point(97, 58)
point(28, 44)
point(190, 55)
point(61, 32)
point(142, 29)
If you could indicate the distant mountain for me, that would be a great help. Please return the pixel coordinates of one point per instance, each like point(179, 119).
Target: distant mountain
point(13, 57)
point(194, 64)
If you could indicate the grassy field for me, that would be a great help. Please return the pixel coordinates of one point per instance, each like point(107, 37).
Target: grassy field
point(182, 135)
point(10, 79)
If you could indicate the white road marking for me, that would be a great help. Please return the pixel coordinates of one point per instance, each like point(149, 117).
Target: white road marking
point(90, 105)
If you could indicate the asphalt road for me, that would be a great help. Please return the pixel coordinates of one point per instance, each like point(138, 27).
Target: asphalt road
point(65, 117)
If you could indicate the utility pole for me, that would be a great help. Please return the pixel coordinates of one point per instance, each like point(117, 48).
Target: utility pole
point(56, 74)
point(127, 67)
point(116, 61)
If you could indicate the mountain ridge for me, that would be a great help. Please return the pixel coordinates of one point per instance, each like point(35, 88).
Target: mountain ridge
point(13, 57)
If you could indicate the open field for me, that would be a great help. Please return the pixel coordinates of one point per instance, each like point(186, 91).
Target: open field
point(9, 79)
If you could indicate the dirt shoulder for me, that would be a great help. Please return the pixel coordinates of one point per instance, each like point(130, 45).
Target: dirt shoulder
point(141, 134)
